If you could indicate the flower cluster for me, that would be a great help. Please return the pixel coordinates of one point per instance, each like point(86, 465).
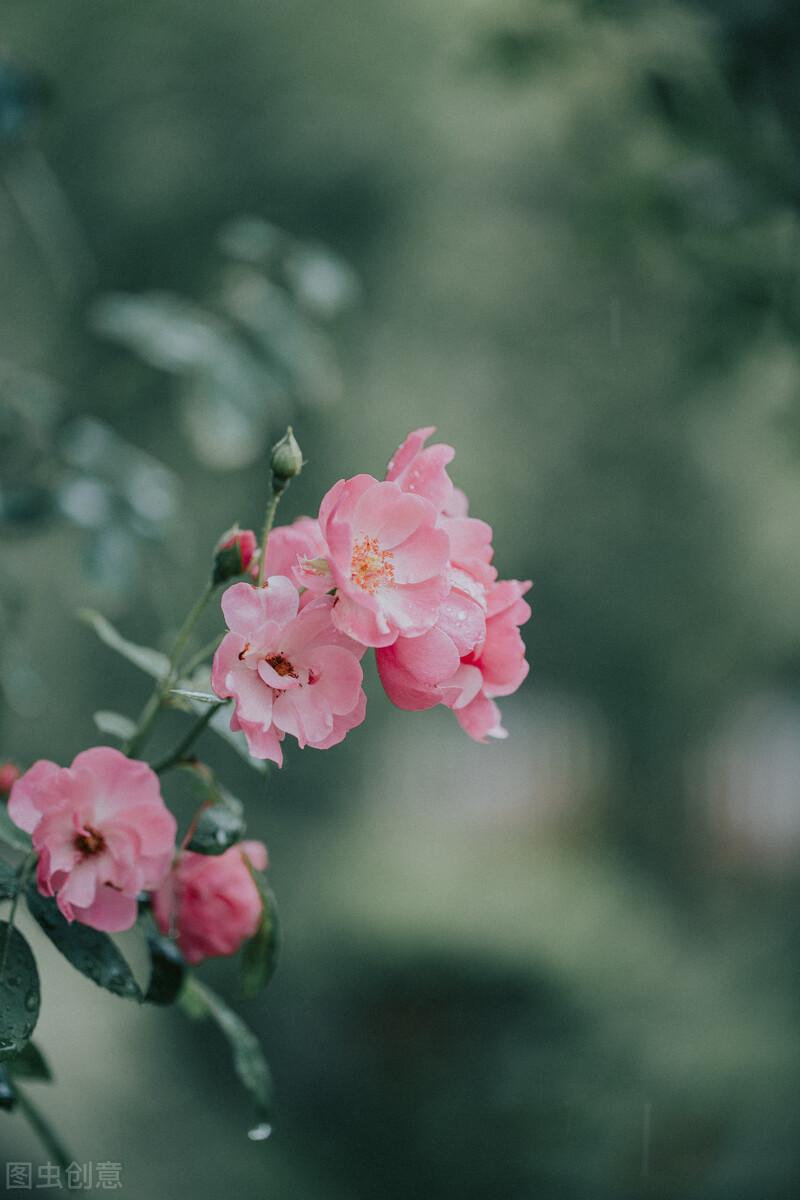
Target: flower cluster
point(396, 565)
point(104, 835)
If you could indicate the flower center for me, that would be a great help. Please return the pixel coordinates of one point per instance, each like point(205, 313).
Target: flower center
point(371, 567)
point(281, 666)
point(90, 843)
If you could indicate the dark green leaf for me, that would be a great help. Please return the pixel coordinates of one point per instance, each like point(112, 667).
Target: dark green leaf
point(116, 724)
point(19, 991)
point(218, 828)
point(30, 1064)
point(248, 1057)
point(7, 1097)
point(168, 969)
point(261, 951)
point(152, 662)
point(18, 838)
point(9, 883)
point(91, 951)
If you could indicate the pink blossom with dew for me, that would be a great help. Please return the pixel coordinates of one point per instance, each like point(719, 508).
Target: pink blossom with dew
point(211, 903)
point(102, 832)
point(421, 469)
point(289, 670)
point(287, 545)
point(500, 659)
point(385, 558)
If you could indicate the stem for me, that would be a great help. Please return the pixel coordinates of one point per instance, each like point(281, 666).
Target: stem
point(42, 1127)
point(151, 709)
point(179, 753)
point(201, 655)
point(269, 518)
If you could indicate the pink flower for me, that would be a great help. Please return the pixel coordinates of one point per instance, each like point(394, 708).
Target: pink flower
point(385, 558)
point(102, 831)
point(211, 902)
point(287, 545)
point(500, 658)
point(289, 671)
point(234, 553)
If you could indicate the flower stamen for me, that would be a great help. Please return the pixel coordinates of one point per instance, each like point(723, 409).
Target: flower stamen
point(371, 567)
point(89, 843)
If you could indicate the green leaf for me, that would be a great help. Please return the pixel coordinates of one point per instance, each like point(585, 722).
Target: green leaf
point(218, 828)
point(248, 1057)
point(30, 1064)
point(19, 991)
point(116, 724)
point(17, 838)
point(7, 1095)
point(9, 883)
point(168, 969)
point(200, 697)
point(91, 951)
point(152, 662)
point(261, 951)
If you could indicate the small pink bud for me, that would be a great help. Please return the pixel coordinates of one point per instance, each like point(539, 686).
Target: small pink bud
point(9, 774)
point(233, 554)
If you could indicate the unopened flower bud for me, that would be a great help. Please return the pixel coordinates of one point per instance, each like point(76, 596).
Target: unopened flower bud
point(9, 774)
point(286, 461)
point(233, 554)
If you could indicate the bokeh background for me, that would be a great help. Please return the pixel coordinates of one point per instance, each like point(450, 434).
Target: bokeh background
point(567, 233)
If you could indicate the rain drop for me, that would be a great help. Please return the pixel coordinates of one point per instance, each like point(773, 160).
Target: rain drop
point(32, 999)
point(260, 1132)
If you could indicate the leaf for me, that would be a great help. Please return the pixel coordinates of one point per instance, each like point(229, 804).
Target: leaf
point(248, 1057)
point(168, 969)
point(152, 662)
point(261, 951)
point(7, 1095)
point(218, 828)
point(200, 697)
point(19, 991)
point(116, 724)
point(17, 838)
point(89, 950)
point(30, 1063)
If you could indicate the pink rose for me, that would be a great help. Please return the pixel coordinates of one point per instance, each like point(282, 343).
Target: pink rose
point(289, 670)
point(500, 658)
point(102, 832)
point(287, 545)
point(210, 903)
point(385, 558)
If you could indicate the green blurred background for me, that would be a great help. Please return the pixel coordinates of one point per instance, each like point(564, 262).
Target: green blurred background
point(566, 232)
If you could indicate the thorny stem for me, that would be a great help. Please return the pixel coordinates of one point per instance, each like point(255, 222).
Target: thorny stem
point(151, 709)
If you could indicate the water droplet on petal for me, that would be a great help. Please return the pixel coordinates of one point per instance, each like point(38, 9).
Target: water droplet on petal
point(260, 1132)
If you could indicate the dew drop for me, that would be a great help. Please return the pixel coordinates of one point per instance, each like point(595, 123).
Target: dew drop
point(461, 615)
point(260, 1133)
point(32, 999)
